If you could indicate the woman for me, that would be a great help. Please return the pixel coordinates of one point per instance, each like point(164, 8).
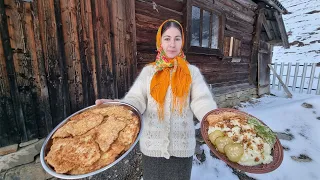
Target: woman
point(168, 93)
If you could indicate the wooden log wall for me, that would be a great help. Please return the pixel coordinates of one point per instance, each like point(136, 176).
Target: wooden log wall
point(240, 18)
point(58, 56)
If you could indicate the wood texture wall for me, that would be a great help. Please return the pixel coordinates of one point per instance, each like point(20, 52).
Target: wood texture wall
point(240, 18)
point(58, 56)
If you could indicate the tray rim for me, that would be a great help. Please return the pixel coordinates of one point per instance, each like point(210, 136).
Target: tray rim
point(49, 170)
point(250, 169)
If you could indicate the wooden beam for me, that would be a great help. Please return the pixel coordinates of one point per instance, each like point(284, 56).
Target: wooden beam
point(248, 4)
point(282, 29)
point(237, 7)
point(229, 10)
point(276, 4)
point(255, 48)
point(267, 28)
point(72, 53)
point(281, 82)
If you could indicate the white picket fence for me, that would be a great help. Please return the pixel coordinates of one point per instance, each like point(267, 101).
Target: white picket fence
point(304, 78)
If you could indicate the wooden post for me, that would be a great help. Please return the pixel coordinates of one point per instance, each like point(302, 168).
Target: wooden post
point(255, 48)
point(281, 82)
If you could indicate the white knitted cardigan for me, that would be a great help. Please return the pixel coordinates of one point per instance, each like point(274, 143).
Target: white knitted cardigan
point(175, 135)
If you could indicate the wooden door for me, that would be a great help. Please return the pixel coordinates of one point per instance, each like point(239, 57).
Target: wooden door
point(264, 58)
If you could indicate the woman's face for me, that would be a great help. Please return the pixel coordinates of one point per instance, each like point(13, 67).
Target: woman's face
point(171, 42)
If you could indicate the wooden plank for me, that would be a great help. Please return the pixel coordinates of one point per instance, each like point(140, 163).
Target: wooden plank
point(248, 4)
point(175, 5)
point(236, 47)
point(237, 25)
point(72, 54)
point(87, 53)
point(230, 83)
point(8, 126)
point(274, 77)
point(313, 69)
point(131, 42)
point(288, 74)
point(267, 28)
point(146, 8)
point(8, 56)
point(225, 77)
point(231, 11)
point(263, 71)
point(281, 75)
point(280, 80)
point(237, 7)
point(207, 4)
point(318, 86)
point(296, 71)
point(53, 54)
point(103, 49)
point(44, 120)
point(145, 22)
point(303, 78)
point(14, 26)
point(124, 46)
point(245, 38)
point(275, 29)
point(226, 48)
point(277, 5)
point(282, 29)
point(231, 46)
point(24, 70)
point(255, 48)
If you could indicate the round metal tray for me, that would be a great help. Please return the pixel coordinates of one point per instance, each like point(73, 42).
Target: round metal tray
point(277, 151)
point(48, 143)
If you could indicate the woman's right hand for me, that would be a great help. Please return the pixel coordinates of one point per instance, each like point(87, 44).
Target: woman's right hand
point(101, 101)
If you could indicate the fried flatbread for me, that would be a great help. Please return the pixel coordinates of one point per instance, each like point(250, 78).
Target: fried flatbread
point(79, 125)
point(108, 132)
point(106, 158)
point(66, 153)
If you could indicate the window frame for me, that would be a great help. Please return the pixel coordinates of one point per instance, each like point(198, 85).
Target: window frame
point(210, 7)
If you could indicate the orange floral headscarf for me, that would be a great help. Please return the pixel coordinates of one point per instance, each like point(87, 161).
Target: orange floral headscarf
point(180, 80)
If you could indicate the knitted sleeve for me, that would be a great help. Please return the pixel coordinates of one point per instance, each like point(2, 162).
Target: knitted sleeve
point(201, 98)
point(137, 95)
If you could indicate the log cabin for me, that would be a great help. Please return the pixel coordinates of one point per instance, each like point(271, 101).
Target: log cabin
point(58, 56)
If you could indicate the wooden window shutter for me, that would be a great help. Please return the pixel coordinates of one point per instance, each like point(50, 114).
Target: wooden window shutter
point(226, 46)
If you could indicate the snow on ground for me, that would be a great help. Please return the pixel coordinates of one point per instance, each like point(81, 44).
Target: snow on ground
point(303, 29)
point(281, 115)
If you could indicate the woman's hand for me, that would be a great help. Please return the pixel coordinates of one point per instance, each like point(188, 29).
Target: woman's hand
point(101, 101)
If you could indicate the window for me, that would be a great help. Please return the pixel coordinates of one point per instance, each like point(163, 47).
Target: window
point(205, 29)
point(232, 46)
